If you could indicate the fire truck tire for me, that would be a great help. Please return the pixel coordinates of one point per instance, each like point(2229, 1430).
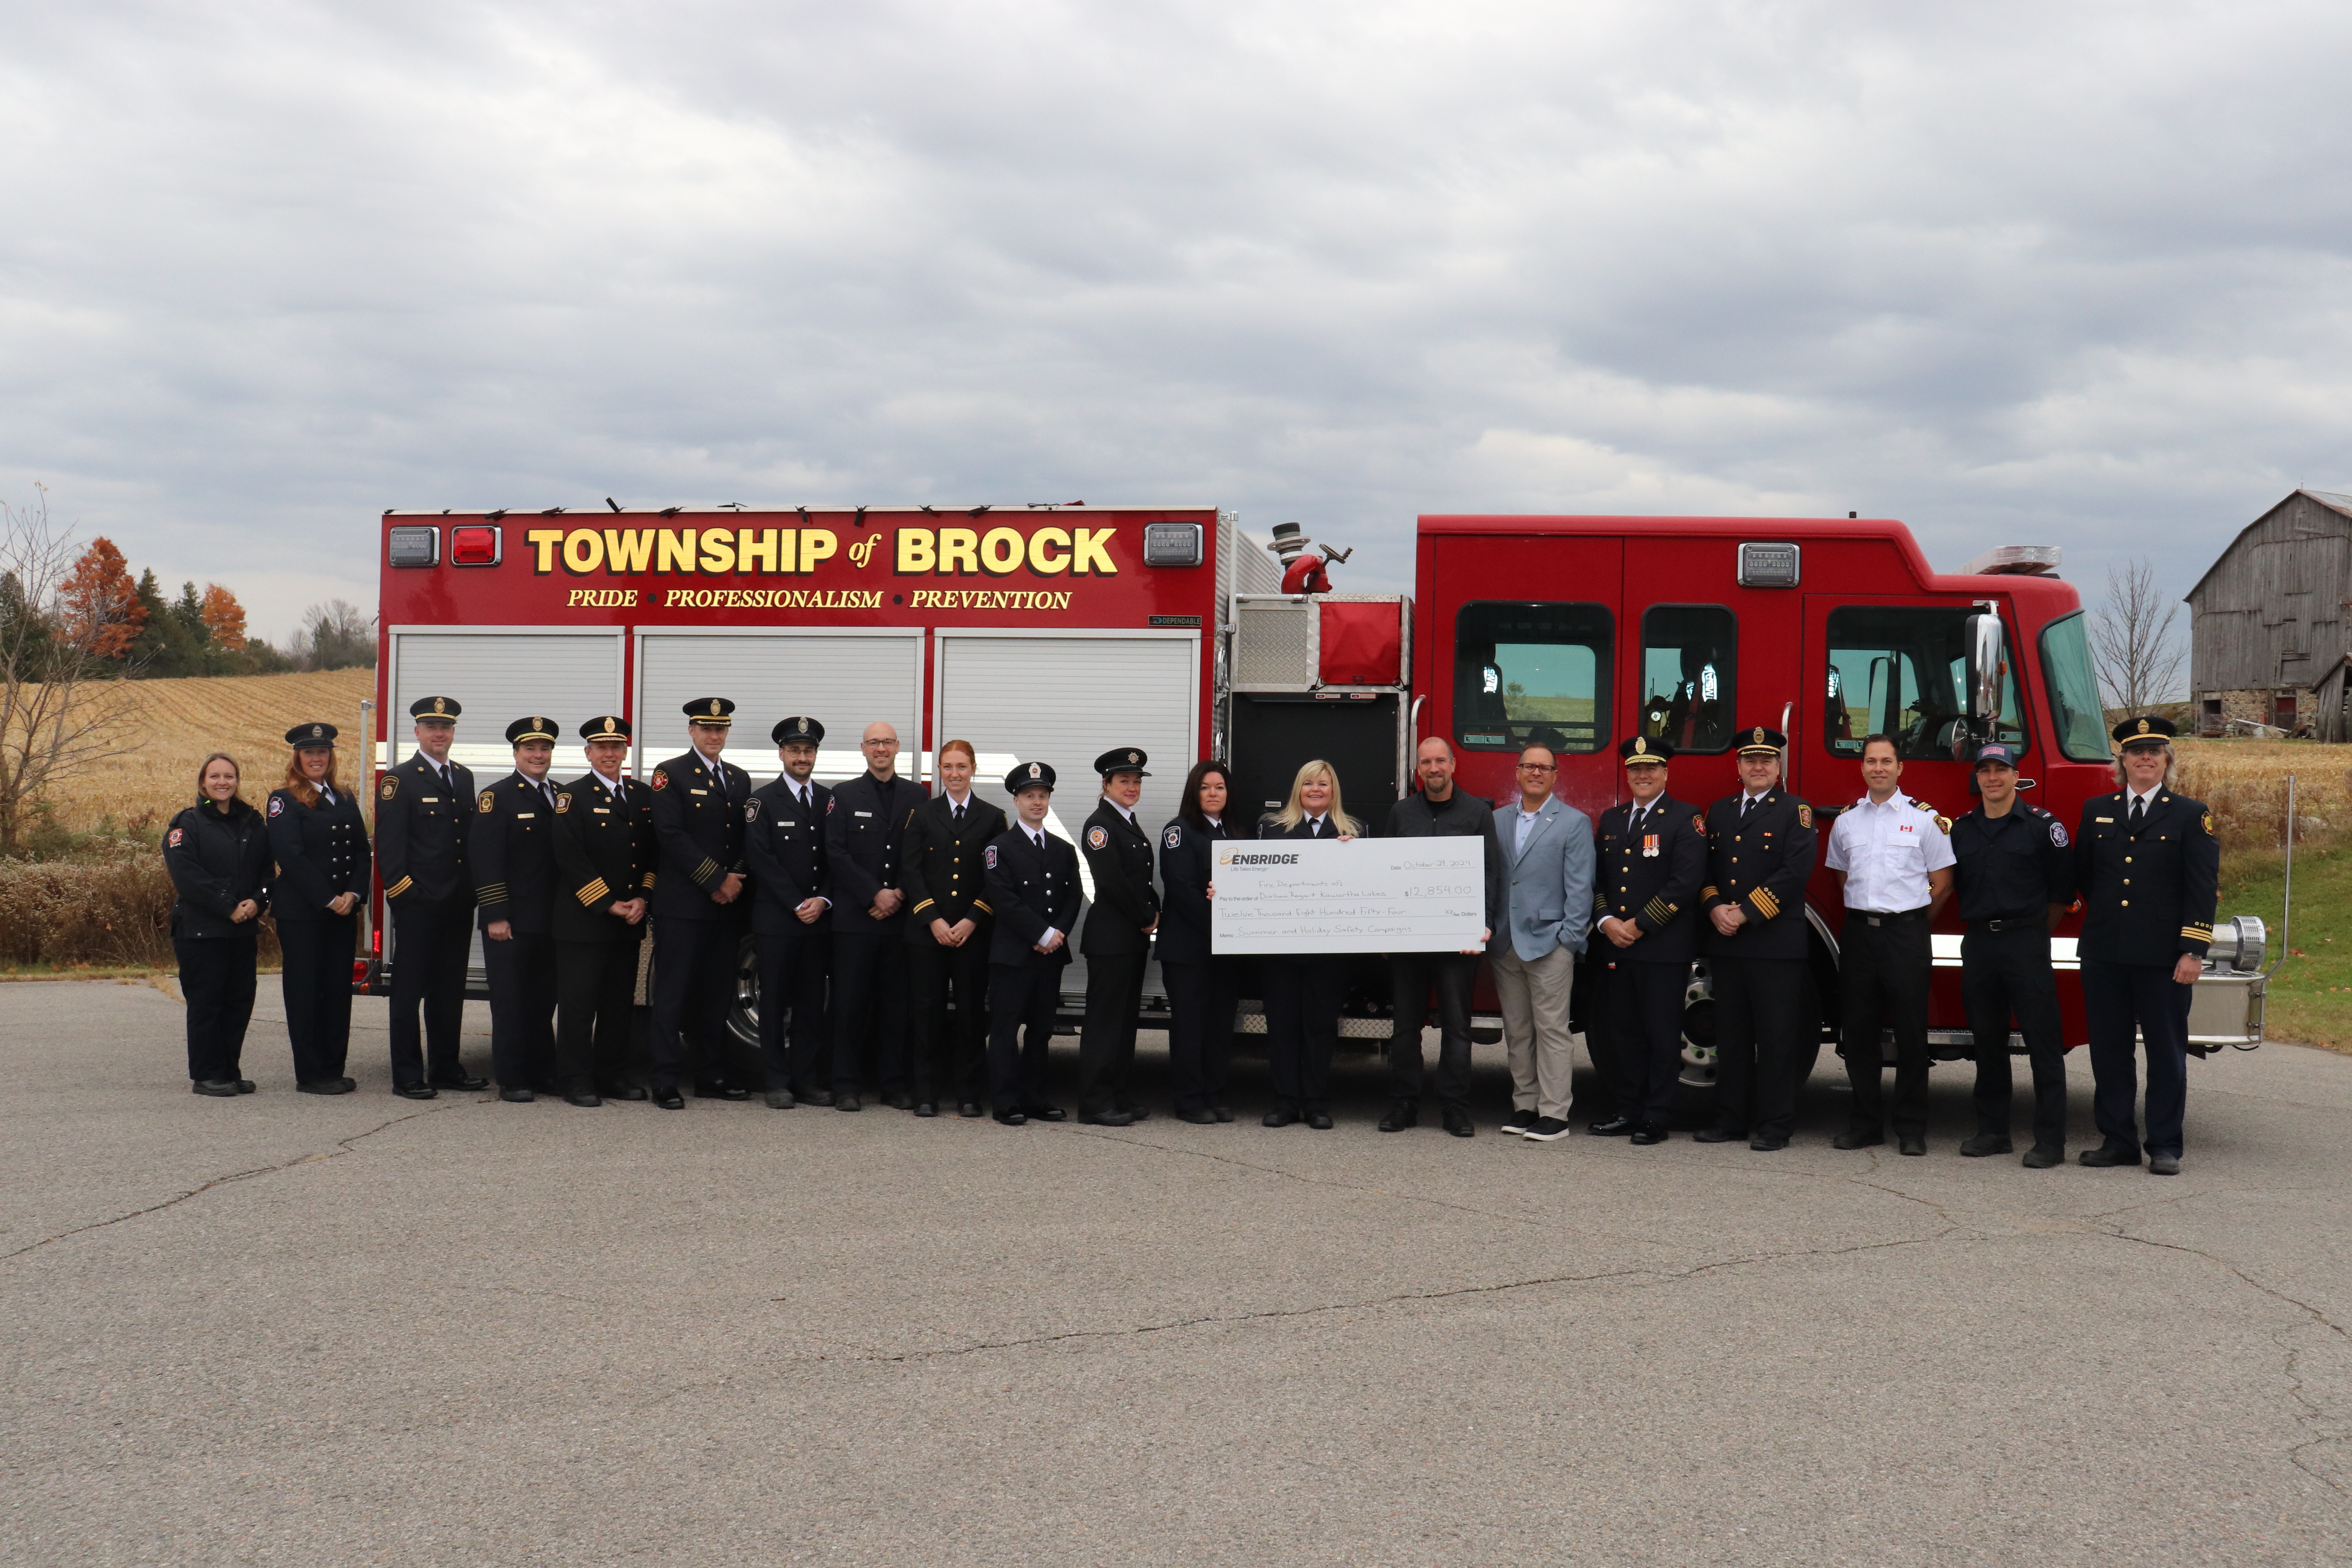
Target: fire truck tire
point(743, 1017)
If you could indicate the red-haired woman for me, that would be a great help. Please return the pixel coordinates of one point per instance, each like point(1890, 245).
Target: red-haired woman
point(321, 843)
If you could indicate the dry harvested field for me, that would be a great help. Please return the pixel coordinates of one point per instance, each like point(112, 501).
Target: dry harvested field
point(170, 724)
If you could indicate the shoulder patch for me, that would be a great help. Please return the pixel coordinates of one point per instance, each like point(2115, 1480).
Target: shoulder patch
point(1097, 838)
point(988, 856)
point(390, 787)
point(1804, 816)
point(829, 803)
point(2057, 832)
point(1175, 837)
point(176, 835)
point(660, 779)
point(277, 805)
point(2209, 827)
point(563, 802)
point(1944, 824)
point(752, 809)
point(488, 802)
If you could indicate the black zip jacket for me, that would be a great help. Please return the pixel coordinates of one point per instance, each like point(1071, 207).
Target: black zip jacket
point(217, 860)
point(1459, 816)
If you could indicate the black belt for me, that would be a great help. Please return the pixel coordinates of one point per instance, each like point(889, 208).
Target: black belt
point(2009, 923)
point(1882, 918)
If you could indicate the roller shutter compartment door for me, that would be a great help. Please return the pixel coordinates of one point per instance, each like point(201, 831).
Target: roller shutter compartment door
point(843, 681)
point(1066, 700)
point(498, 677)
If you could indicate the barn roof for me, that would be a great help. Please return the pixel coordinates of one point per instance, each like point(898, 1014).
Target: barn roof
point(2333, 500)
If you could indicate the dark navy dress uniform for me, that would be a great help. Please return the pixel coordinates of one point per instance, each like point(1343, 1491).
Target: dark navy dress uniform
point(217, 860)
point(604, 855)
point(864, 824)
point(512, 849)
point(783, 844)
point(1203, 988)
point(1651, 867)
point(699, 819)
point(1759, 856)
point(423, 814)
point(1304, 991)
point(939, 859)
point(2007, 872)
point(320, 844)
point(2150, 879)
point(1117, 943)
point(1032, 883)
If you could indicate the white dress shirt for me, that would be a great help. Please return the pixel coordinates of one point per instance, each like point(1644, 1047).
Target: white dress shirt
point(1887, 852)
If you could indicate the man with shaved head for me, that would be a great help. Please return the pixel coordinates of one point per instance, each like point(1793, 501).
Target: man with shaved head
point(862, 824)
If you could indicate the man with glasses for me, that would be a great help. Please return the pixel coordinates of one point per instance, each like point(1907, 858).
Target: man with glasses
point(1546, 847)
point(862, 827)
point(784, 843)
point(1441, 811)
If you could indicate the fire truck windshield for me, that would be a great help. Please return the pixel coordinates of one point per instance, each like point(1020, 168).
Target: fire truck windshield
point(2074, 683)
point(1901, 670)
point(1532, 673)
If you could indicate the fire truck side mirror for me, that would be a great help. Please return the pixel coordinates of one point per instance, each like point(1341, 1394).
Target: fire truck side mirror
point(1985, 655)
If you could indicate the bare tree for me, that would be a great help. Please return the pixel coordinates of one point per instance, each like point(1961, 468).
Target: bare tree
point(335, 634)
point(63, 708)
point(2133, 639)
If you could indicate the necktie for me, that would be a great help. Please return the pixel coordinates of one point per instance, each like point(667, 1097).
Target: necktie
point(1039, 841)
point(803, 795)
point(1634, 828)
point(327, 794)
point(1745, 802)
point(959, 816)
point(547, 792)
point(2139, 812)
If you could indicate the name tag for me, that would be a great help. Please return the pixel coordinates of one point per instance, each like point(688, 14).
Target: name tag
point(698, 791)
point(2108, 820)
point(861, 813)
point(428, 800)
point(525, 815)
point(601, 811)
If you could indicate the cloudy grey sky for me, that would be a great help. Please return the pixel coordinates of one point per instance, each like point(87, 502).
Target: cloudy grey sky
point(2013, 272)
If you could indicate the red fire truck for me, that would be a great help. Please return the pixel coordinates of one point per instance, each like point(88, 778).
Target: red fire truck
point(1056, 631)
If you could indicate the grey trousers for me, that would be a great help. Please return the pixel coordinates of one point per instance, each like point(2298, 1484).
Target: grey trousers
point(1534, 1026)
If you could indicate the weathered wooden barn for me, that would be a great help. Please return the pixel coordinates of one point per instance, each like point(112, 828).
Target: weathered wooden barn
point(2268, 629)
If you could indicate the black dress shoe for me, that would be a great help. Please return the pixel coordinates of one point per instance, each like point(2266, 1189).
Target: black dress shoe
point(324, 1086)
point(1105, 1118)
point(1458, 1122)
point(926, 1108)
point(1136, 1112)
point(415, 1091)
point(1044, 1114)
point(1764, 1145)
point(344, 1086)
point(669, 1100)
point(1278, 1118)
point(1647, 1133)
point(1404, 1113)
point(2102, 1155)
point(1984, 1143)
point(814, 1096)
point(618, 1091)
point(243, 1085)
point(1014, 1118)
point(778, 1099)
point(587, 1100)
point(900, 1101)
point(217, 1087)
point(517, 1096)
point(463, 1083)
point(1716, 1136)
point(1911, 1142)
point(1197, 1117)
point(1612, 1127)
point(721, 1090)
point(847, 1102)
point(2164, 1164)
point(970, 1110)
point(2042, 1156)
point(1854, 1138)
point(1318, 1120)
point(1221, 1112)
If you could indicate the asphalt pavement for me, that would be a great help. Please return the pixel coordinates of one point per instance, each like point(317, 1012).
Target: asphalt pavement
point(290, 1329)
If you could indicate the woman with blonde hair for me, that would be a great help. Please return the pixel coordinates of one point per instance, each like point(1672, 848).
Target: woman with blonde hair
point(1304, 990)
point(320, 844)
point(217, 853)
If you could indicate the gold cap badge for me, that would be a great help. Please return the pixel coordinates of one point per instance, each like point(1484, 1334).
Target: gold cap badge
point(1760, 734)
point(1641, 747)
point(440, 705)
point(714, 708)
point(2143, 726)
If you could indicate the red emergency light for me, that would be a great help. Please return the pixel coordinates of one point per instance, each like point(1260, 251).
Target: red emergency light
point(476, 544)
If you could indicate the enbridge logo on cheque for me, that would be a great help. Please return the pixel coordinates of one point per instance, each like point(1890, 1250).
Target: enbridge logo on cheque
point(1255, 858)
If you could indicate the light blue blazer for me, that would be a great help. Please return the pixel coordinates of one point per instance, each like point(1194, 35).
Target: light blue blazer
point(1552, 878)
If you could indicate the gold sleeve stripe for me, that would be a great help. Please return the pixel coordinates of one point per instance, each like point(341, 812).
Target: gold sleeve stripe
point(495, 893)
point(1766, 904)
point(2198, 933)
point(1708, 892)
point(982, 908)
point(595, 893)
point(399, 887)
point(2192, 925)
point(708, 868)
point(649, 881)
point(919, 909)
point(1659, 910)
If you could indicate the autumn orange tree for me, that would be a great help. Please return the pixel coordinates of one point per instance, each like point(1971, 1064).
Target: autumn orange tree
point(101, 602)
point(224, 618)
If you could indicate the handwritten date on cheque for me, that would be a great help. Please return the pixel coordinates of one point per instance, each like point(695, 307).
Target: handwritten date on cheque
point(1369, 895)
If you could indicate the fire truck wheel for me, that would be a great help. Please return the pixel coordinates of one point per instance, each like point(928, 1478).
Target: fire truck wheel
point(743, 1017)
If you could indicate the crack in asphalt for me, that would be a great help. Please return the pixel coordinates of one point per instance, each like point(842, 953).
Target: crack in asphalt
point(342, 1147)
